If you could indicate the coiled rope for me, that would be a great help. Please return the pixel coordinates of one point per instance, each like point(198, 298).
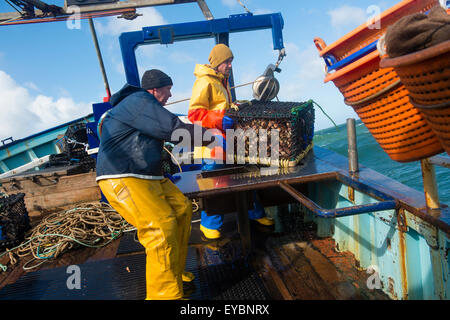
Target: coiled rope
point(94, 225)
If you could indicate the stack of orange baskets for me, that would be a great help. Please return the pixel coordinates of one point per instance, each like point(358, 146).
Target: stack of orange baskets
point(377, 94)
point(426, 75)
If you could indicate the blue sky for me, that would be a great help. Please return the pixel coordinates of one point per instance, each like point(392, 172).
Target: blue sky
point(49, 74)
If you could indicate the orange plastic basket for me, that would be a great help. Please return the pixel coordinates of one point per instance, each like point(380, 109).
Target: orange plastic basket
point(398, 126)
point(365, 34)
point(382, 103)
point(426, 75)
point(363, 79)
point(377, 94)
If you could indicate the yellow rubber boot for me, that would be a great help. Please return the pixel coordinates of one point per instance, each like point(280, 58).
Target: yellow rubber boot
point(187, 276)
point(160, 213)
point(265, 221)
point(210, 233)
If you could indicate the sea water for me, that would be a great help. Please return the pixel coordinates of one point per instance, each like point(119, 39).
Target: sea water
point(371, 155)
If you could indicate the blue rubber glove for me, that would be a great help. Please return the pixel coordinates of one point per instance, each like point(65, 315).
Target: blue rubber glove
point(172, 178)
point(227, 123)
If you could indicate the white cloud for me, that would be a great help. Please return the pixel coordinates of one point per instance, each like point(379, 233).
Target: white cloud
point(302, 72)
point(229, 3)
point(347, 16)
point(114, 26)
point(32, 86)
point(262, 11)
point(24, 114)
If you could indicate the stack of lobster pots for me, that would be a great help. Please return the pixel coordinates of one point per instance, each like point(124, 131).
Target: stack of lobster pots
point(379, 96)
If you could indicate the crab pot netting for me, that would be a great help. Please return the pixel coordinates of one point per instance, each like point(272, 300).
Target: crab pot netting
point(74, 149)
point(293, 120)
point(14, 220)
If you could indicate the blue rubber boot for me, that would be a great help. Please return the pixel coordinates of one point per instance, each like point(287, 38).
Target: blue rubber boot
point(258, 214)
point(210, 225)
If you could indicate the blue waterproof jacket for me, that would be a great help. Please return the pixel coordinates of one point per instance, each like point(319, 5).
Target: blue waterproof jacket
point(133, 134)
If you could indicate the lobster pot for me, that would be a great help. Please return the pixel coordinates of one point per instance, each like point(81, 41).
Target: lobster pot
point(272, 133)
point(74, 138)
point(74, 147)
point(13, 219)
point(426, 76)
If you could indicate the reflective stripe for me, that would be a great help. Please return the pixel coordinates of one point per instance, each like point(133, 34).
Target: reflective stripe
point(128, 175)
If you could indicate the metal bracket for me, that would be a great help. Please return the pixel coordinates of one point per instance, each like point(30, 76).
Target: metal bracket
point(401, 220)
point(129, 41)
point(204, 7)
point(165, 35)
point(39, 183)
point(339, 212)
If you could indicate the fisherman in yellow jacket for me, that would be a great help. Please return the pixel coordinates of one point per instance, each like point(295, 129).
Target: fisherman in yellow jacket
point(211, 98)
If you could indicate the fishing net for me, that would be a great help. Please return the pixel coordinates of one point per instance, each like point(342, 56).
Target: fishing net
point(258, 126)
point(14, 220)
point(167, 162)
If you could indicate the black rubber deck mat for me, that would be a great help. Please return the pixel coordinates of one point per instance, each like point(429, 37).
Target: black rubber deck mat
point(193, 290)
point(225, 275)
point(229, 230)
point(113, 279)
point(227, 282)
point(219, 275)
point(129, 243)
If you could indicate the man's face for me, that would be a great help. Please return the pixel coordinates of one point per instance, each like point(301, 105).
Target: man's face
point(162, 94)
point(225, 67)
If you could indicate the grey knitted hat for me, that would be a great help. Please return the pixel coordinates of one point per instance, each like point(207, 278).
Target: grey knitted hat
point(155, 79)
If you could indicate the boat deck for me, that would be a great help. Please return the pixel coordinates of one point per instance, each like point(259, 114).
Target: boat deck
point(300, 259)
point(286, 265)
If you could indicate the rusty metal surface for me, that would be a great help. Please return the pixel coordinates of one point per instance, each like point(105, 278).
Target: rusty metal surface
point(408, 198)
point(319, 165)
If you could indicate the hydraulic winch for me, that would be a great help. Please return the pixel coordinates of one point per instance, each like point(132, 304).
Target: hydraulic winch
point(266, 86)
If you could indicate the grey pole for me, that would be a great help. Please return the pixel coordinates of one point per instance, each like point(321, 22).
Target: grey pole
point(353, 165)
point(99, 56)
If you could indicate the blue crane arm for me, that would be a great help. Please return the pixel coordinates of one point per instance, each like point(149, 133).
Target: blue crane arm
point(216, 28)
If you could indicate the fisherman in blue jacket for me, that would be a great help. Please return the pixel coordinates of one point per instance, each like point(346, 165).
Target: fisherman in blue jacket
point(130, 176)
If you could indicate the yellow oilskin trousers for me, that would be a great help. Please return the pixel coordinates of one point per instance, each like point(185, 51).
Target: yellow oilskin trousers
point(162, 216)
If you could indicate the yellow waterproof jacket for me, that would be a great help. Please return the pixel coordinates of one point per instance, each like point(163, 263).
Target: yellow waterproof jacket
point(211, 97)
